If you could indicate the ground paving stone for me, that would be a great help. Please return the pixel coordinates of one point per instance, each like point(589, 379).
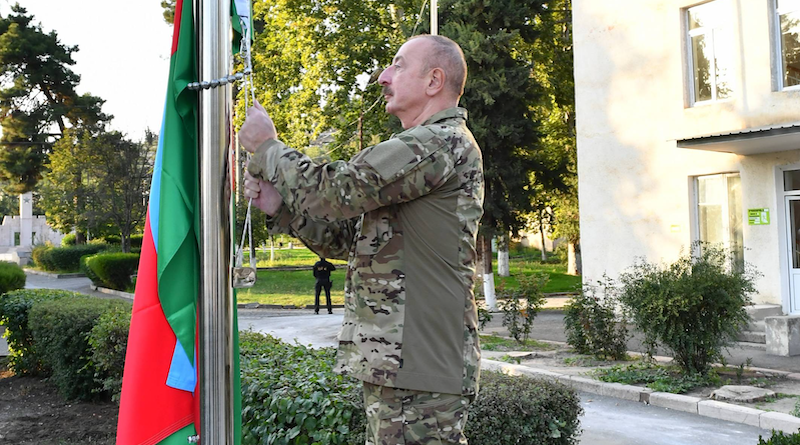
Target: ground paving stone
point(741, 393)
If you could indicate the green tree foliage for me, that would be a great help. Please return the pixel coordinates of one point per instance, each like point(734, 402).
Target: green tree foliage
point(313, 61)
point(169, 11)
point(38, 101)
point(114, 175)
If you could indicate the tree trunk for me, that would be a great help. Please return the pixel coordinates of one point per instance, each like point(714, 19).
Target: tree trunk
point(541, 235)
point(271, 249)
point(573, 259)
point(503, 268)
point(488, 275)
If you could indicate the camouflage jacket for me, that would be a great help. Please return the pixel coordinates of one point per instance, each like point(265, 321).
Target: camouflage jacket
point(405, 214)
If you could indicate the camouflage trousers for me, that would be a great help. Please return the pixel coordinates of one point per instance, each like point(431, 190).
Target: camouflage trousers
point(408, 417)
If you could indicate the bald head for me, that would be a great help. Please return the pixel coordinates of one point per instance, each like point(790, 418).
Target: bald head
point(445, 54)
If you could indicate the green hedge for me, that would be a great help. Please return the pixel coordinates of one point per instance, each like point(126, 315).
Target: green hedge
point(291, 395)
point(15, 307)
point(523, 410)
point(69, 240)
point(779, 438)
point(114, 270)
point(60, 331)
point(65, 259)
point(108, 341)
point(12, 277)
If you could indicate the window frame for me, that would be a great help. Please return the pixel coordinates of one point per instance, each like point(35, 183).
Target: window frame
point(778, 48)
point(726, 210)
point(688, 34)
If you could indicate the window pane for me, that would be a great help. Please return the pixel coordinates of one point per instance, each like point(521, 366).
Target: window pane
point(735, 228)
point(723, 61)
point(703, 15)
point(791, 180)
point(702, 69)
point(790, 48)
point(794, 218)
point(788, 5)
point(710, 194)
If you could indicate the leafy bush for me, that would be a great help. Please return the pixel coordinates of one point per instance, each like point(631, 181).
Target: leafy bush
point(291, 395)
point(12, 277)
point(112, 239)
point(67, 259)
point(15, 307)
point(114, 270)
point(37, 252)
point(136, 241)
point(60, 331)
point(108, 340)
point(68, 240)
point(592, 324)
point(84, 269)
point(522, 410)
point(695, 307)
point(518, 316)
point(779, 438)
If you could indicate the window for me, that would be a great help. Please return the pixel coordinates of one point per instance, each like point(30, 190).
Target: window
point(719, 211)
point(789, 41)
point(711, 51)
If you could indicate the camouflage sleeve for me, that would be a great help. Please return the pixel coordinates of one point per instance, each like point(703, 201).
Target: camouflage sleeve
point(329, 240)
point(394, 171)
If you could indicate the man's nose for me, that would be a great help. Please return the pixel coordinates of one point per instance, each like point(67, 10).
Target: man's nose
point(385, 78)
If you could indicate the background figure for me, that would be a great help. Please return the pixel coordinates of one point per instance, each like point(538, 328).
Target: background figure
point(322, 272)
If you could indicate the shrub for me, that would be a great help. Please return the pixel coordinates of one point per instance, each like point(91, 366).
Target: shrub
point(67, 259)
point(522, 304)
point(12, 277)
point(114, 270)
point(695, 307)
point(523, 410)
point(779, 438)
point(112, 239)
point(136, 241)
point(15, 306)
point(108, 340)
point(60, 331)
point(592, 324)
point(291, 395)
point(69, 240)
point(84, 269)
point(37, 253)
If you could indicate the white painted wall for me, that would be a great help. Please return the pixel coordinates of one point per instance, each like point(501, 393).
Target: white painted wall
point(635, 185)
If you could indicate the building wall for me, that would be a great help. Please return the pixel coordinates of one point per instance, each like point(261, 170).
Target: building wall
point(635, 185)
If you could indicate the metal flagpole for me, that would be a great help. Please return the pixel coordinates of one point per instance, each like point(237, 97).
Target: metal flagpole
point(215, 308)
point(434, 18)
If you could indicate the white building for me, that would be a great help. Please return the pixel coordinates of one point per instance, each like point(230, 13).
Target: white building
point(689, 128)
point(18, 234)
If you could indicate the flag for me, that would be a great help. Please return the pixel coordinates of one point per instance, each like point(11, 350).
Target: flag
point(158, 404)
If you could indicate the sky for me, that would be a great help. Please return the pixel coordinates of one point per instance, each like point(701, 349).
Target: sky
point(123, 54)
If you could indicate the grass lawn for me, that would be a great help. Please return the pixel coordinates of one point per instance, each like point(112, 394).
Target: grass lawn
point(297, 287)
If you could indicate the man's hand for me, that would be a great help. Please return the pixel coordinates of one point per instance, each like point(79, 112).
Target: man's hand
point(265, 196)
point(257, 128)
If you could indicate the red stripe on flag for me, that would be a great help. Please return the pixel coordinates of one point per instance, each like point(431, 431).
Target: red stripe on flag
point(176, 29)
point(150, 410)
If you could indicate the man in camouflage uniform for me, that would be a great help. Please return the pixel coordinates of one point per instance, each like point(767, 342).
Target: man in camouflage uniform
point(405, 214)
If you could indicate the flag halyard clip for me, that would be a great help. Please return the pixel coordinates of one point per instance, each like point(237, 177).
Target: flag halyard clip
point(193, 439)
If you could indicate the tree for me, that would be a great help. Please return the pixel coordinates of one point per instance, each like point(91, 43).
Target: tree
point(312, 64)
point(114, 179)
point(38, 101)
point(121, 180)
point(500, 95)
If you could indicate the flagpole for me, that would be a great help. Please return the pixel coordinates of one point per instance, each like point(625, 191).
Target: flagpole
point(434, 18)
point(215, 308)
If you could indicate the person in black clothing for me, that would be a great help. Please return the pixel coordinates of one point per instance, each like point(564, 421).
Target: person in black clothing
point(322, 272)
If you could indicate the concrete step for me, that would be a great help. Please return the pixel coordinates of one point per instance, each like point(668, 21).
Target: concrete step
point(750, 345)
point(756, 326)
point(753, 336)
point(761, 311)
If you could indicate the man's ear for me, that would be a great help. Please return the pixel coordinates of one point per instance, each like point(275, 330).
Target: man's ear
point(436, 81)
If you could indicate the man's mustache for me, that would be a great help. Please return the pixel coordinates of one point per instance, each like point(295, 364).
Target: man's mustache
point(386, 91)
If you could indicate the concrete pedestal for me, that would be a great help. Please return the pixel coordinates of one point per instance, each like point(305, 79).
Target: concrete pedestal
point(783, 335)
